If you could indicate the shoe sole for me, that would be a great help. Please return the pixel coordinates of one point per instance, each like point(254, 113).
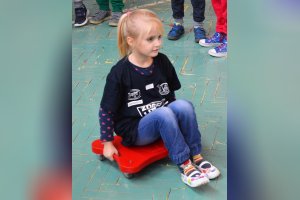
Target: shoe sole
point(214, 175)
point(85, 21)
point(197, 184)
point(209, 45)
point(219, 55)
point(198, 39)
point(175, 38)
point(82, 24)
point(113, 24)
point(99, 22)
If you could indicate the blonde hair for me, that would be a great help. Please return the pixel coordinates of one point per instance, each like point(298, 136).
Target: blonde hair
point(136, 24)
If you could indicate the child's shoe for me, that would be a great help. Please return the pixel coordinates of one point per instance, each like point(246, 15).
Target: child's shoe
point(115, 17)
point(219, 51)
point(176, 32)
point(207, 168)
point(199, 33)
point(100, 17)
point(191, 176)
point(81, 14)
point(216, 39)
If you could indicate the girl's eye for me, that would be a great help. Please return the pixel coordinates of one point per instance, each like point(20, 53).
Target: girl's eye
point(150, 39)
point(159, 37)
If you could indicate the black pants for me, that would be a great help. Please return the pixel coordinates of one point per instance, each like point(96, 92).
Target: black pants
point(198, 9)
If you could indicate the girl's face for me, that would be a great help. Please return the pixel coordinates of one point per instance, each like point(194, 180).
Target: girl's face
point(147, 45)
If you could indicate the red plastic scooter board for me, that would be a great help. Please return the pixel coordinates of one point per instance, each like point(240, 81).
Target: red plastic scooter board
point(133, 159)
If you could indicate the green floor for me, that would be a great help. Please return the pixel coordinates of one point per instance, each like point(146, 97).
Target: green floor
point(203, 79)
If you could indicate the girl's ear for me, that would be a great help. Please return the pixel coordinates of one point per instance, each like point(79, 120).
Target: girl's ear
point(130, 41)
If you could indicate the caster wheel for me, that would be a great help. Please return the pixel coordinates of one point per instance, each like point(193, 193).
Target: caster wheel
point(101, 157)
point(127, 175)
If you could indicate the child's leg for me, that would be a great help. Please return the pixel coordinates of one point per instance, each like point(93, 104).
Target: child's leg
point(177, 29)
point(198, 10)
point(177, 8)
point(117, 11)
point(163, 123)
point(220, 8)
point(117, 5)
point(77, 3)
point(187, 121)
point(103, 4)
point(198, 16)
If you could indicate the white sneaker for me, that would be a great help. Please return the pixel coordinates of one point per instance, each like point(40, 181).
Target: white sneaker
point(207, 168)
point(192, 177)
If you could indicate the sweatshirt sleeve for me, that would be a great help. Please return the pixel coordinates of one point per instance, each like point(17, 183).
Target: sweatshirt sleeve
point(106, 125)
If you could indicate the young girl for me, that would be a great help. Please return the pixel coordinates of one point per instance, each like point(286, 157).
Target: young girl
point(139, 101)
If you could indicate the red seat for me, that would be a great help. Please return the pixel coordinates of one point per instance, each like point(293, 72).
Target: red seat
point(133, 159)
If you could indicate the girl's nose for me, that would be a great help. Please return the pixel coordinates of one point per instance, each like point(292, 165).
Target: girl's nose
point(158, 42)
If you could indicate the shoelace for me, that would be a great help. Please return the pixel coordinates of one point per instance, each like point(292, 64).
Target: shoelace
point(216, 37)
point(221, 47)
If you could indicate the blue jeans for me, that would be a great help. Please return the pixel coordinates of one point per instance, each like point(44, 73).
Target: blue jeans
point(198, 9)
point(177, 125)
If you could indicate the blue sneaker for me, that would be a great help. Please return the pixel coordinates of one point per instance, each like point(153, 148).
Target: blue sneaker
point(216, 39)
point(176, 32)
point(199, 34)
point(219, 51)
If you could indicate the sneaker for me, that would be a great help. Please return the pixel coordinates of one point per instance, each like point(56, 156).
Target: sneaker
point(219, 51)
point(209, 170)
point(81, 15)
point(114, 20)
point(192, 177)
point(216, 39)
point(176, 32)
point(100, 17)
point(199, 34)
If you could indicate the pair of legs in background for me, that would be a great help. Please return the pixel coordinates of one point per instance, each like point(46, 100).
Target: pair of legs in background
point(219, 39)
point(177, 125)
point(198, 16)
point(104, 12)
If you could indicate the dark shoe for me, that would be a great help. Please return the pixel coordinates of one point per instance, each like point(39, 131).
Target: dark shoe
point(176, 32)
point(100, 17)
point(81, 14)
point(199, 34)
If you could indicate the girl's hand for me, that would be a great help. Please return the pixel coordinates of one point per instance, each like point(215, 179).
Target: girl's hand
point(109, 150)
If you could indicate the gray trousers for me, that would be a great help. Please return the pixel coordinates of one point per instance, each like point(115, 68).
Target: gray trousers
point(77, 3)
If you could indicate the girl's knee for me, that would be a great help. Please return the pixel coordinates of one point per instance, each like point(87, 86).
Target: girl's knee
point(182, 106)
point(164, 114)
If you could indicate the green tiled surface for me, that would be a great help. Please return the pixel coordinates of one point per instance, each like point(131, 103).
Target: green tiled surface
point(203, 79)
